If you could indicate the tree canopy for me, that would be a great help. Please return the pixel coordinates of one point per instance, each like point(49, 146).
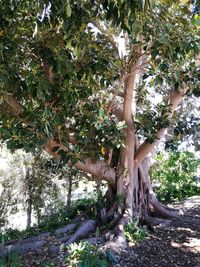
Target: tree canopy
point(60, 65)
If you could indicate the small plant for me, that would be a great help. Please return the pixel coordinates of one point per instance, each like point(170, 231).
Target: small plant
point(135, 233)
point(10, 234)
point(12, 260)
point(86, 255)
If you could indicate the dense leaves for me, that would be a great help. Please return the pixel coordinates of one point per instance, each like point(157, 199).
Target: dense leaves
point(60, 62)
point(175, 175)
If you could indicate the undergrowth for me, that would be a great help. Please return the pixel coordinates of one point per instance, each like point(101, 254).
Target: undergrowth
point(86, 255)
point(49, 223)
point(135, 233)
point(11, 260)
point(174, 176)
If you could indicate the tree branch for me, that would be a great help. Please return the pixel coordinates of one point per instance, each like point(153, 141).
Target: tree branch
point(175, 98)
point(108, 36)
point(118, 93)
point(49, 75)
point(99, 169)
point(117, 111)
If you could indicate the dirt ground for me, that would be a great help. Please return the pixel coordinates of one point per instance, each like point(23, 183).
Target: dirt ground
point(176, 245)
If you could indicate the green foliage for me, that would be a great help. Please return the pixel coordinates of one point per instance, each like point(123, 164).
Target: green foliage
point(174, 175)
point(64, 37)
point(63, 215)
point(48, 263)
point(10, 234)
point(135, 233)
point(187, 125)
point(86, 255)
point(12, 260)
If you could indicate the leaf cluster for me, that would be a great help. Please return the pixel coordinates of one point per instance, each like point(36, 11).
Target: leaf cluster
point(135, 233)
point(84, 254)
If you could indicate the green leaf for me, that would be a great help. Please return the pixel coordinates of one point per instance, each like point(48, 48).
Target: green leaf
point(68, 10)
point(101, 112)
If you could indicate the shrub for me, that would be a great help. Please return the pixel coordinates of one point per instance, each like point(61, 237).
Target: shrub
point(174, 175)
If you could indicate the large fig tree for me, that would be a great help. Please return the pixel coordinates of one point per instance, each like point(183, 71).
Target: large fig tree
point(80, 78)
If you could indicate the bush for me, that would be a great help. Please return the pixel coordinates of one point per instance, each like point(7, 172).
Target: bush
point(174, 174)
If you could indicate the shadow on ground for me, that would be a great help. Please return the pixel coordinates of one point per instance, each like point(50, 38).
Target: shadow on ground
point(176, 245)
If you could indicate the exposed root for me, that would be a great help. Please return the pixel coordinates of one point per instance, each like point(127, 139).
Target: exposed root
point(119, 240)
point(66, 229)
point(85, 228)
point(83, 231)
point(115, 220)
point(107, 216)
point(168, 208)
point(23, 248)
point(152, 222)
point(165, 212)
point(116, 244)
point(64, 235)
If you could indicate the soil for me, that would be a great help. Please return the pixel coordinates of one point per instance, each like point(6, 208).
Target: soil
point(175, 245)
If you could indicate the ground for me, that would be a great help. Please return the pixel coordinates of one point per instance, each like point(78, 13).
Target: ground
point(175, 245)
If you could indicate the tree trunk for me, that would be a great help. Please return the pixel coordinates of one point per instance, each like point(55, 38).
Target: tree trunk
point(29, 213)
point(133, 185)
point(69, 195)
point(29, 196)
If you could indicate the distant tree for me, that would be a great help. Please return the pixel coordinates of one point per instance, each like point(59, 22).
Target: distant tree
point(183, 133)
point(34, 183)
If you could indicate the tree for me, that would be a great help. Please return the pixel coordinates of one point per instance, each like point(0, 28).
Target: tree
point(33, 184)
point(68, 86)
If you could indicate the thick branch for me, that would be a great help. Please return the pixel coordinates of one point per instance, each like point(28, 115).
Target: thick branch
point(117, 111)
point(197, 60)
point(49, 75)
point(175, 98)
point(99, 169)
point(119, 93)
point(127, 154)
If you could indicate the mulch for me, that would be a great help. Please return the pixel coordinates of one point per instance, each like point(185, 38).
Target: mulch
point(175, 245)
